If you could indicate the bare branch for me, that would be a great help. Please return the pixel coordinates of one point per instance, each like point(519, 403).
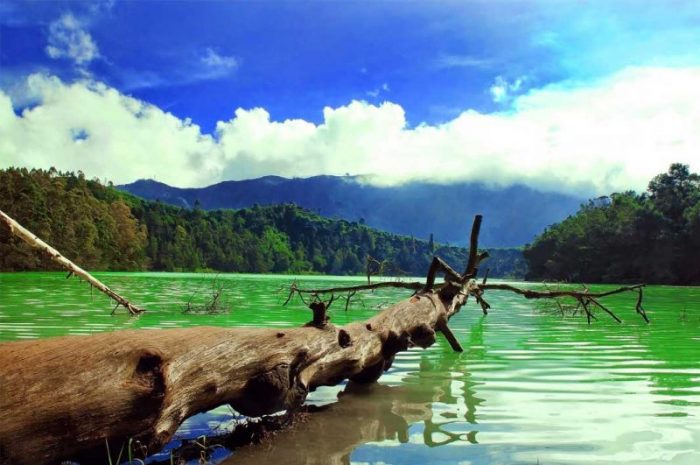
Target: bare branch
point(437, 265)
point(449, 335)
point(27, 236)
point(413, 286)
point(350, 295)
point(605, 309)
point(470, 270)
point(584, 297)
point(371, 262)
point(639, 307)
point(530, 294)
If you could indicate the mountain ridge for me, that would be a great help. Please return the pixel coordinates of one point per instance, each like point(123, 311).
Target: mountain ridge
point(514, 215)
point(105, 229)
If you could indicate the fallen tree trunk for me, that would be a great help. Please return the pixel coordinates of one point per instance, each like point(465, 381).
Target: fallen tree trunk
point(64, 398)
point(61, 398)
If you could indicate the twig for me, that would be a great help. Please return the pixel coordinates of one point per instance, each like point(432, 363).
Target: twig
point(350, 295)
point(213, 305)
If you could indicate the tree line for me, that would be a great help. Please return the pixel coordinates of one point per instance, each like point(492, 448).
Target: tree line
point(652, 237)
point(102, 228)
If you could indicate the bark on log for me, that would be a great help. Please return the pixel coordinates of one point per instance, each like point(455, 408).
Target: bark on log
point(61, 398)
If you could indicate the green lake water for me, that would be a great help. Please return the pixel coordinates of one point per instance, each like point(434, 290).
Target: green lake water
point(532, 387)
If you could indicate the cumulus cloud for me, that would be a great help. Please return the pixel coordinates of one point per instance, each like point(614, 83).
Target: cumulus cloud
point(68, 39)
point(590, 139)
point(90, 127)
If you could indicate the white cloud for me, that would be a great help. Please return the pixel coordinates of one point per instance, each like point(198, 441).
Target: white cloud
point(503, 91)
point(100, 6)
point(198, 65)
point(124, 138)
point(596, 138)
point(68, 39)
point(216, 65)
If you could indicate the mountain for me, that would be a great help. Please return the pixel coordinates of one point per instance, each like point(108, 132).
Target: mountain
point(105, 229)
point(513, 215)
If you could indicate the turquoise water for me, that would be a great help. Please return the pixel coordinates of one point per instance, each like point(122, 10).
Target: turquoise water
point(531, 387)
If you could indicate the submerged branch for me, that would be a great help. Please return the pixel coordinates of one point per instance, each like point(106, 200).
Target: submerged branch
point(215, 304)
point(530, 294)
point(413, 286)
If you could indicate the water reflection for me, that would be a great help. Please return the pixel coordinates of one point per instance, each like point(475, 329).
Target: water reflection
point(362, 414)
point(387, 414)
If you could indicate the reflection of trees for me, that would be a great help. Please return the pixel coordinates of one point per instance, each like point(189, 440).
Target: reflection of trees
point(379, 412)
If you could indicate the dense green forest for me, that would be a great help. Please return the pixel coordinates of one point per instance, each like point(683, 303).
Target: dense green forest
point(653, 237)
point(102, 228)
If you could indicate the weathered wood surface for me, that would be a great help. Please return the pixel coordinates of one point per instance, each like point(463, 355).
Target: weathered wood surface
point(62, 397)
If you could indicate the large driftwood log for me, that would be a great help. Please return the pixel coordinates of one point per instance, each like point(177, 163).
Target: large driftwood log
point(64, 398)
point(61, 398)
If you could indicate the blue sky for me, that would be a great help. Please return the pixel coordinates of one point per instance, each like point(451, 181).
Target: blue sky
point(439, 64)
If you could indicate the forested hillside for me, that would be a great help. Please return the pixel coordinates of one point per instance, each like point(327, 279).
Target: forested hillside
point(102, 228)
point(388, 208)
point(653, 237)
point(87, 222)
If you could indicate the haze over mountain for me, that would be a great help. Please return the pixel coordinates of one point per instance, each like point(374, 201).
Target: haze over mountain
point(513, 215)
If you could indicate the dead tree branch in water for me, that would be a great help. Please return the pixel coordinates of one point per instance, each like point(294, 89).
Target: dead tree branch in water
point(374, 267)
point(24, 234)
point(217, 303)
point(465, 285)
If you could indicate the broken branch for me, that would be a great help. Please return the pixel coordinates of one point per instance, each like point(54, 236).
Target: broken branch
point(24, 234)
